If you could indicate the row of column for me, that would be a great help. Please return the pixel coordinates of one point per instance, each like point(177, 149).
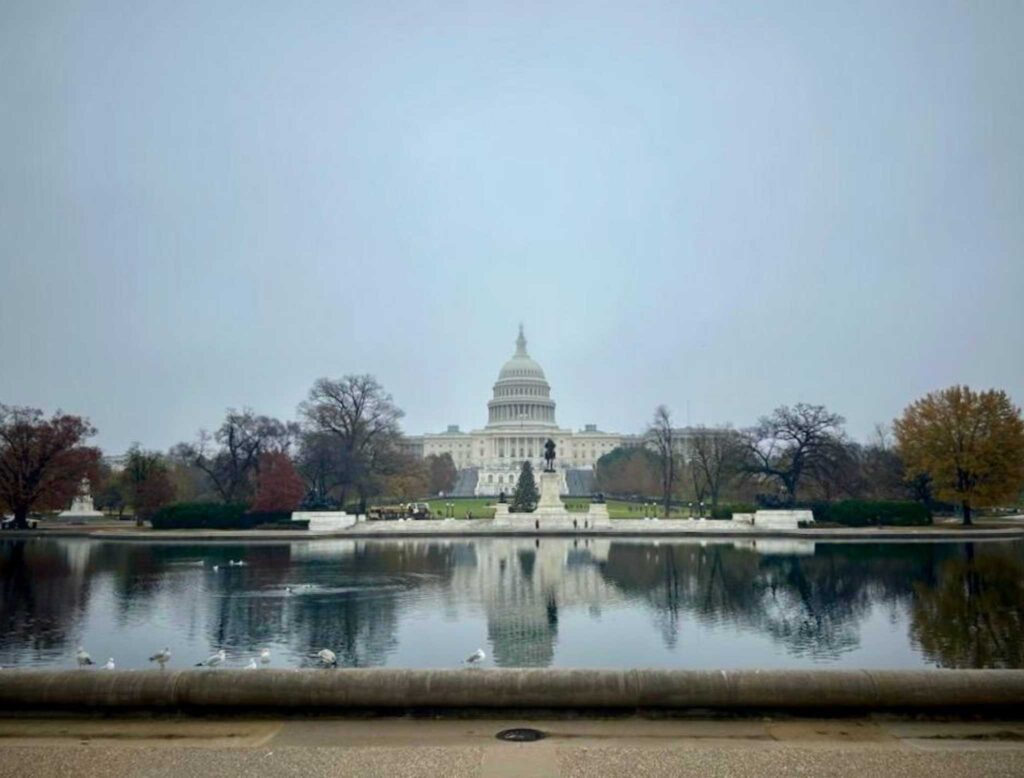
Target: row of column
point(529, 411)
point(517, 447)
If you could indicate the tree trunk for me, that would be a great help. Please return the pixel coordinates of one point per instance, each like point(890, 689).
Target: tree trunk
point(967, 513)
point(21, 518)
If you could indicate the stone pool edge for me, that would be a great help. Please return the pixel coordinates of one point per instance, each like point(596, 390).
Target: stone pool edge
point(649, 530)
point(325, 691)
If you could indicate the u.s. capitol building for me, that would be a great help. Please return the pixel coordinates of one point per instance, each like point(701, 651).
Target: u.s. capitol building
point(520, 419)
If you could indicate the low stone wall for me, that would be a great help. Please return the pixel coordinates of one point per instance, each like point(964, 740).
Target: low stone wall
point(785, 520)
point(326, 521)
point(381, 689)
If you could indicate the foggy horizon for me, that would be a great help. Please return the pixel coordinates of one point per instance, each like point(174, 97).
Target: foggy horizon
point(716, 207)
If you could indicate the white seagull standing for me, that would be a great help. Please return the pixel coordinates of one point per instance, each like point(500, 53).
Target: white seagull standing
point(83, 657)
point(215, 660)
point(252, 665)
point(162, 657)
point(110, 664)
point(476, 656)
point(327, 657)
point(264, 656)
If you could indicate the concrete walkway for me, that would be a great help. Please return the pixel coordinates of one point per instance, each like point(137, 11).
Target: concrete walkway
point(404, 747)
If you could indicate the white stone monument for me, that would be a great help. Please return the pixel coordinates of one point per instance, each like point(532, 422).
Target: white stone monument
point(550, 503)
point(81, 506)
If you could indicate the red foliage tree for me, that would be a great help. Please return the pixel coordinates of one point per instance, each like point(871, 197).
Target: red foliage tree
point(279, 487)
point(42, 461)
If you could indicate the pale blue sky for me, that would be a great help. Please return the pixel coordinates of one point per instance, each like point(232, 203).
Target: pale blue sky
point(719, 206)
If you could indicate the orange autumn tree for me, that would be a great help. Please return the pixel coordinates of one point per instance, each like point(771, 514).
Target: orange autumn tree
point(969, 444)
point(279, 486)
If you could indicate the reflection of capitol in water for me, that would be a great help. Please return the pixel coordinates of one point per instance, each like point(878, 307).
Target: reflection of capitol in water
point(521, 585)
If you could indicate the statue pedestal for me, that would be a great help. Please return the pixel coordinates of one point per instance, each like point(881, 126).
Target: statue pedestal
point(550, 498)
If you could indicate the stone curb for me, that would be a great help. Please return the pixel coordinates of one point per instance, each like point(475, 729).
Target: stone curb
point(383, 689)
point(823, 535)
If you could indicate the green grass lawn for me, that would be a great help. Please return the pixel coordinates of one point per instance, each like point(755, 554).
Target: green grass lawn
point(483, 507)
point(619, 509)
point(479, 507)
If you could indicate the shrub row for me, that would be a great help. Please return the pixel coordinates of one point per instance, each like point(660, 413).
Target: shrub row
point(726, 511)
point(212, 515)
point(871, 513)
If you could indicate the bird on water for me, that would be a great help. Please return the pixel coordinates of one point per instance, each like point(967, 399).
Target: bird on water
point(215, 660)
point(327, 657)
point(476, 656)
point(162, 657)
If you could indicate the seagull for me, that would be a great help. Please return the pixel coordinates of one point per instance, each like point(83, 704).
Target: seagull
point(162, 657)
point(110, 664)
point(83, 657)
point(252, 665)
point(264, 656)
point(216, 568)
point(213, 661)
point(327, 657)
point(287, 590)
point(476, 656)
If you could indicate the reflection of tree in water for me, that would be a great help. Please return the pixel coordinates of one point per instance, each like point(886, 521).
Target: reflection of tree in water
point(813, 605)
point(42, 596)
point(973, 616)
point(359, 621)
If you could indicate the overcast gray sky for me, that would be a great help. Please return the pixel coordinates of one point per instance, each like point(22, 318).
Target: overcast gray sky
point(719, 206)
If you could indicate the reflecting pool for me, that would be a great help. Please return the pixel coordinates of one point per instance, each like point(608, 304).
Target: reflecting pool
point(539, 603)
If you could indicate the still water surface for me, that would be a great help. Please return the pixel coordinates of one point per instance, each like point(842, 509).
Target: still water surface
point(547, 603)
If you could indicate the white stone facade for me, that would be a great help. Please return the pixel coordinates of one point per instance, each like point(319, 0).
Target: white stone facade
point(520, 419)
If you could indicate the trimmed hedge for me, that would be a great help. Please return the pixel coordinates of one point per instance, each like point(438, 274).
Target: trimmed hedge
point(869, 513)
point(726, 511)
point(214, 515)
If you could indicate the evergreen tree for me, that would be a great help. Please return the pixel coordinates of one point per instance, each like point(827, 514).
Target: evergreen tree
point(526, 495)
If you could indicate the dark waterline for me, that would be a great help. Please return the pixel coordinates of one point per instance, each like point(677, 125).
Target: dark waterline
point(547, 603)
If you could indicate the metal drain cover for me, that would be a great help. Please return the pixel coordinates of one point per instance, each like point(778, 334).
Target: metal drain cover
point(521, 735)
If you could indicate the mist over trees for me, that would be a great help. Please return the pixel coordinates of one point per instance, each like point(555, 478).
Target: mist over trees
point(955, 445)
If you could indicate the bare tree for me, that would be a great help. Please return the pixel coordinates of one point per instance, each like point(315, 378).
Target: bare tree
point(230, 457)
point(362, 419)
point(661, 438)
point(715, 459)
point(791, 443)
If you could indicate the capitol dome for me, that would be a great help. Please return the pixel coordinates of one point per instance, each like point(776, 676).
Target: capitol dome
point(521, 393)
